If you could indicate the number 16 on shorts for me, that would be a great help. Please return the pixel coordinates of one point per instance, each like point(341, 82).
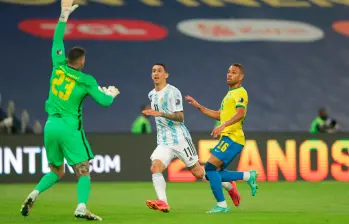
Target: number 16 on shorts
point(226, 150)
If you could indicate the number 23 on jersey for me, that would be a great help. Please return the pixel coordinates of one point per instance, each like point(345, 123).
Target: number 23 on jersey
point(58, 82)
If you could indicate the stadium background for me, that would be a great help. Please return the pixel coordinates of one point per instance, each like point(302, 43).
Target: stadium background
point(296, 58)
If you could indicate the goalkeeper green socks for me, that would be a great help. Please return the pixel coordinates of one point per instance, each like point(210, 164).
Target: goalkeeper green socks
point(47, 181)
point(84, 187)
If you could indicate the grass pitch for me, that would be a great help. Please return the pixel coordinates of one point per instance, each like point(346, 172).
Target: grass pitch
point(282, 202)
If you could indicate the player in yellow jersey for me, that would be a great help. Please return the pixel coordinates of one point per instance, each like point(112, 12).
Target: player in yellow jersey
point(232, 139)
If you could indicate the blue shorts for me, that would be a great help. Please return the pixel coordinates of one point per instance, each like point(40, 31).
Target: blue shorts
point(226, 150)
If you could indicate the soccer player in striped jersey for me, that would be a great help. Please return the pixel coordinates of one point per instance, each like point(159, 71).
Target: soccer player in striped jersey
point(173, 138)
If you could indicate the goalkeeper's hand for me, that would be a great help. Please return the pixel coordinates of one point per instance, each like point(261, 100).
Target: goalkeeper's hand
point(67, 8)
point(111, 91)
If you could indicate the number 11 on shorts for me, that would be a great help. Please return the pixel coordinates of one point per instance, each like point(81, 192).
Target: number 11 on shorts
point(189, 152)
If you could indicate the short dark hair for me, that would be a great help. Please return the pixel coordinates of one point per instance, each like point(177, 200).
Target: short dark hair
point(241, 67)
point(163, 65)
point(75, 53)
point(322, 110)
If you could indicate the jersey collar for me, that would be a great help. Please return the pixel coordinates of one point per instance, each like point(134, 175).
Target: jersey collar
point(163, 89)
point(231, 89)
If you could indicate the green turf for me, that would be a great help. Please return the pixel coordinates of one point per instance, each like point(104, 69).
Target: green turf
point(299, 202)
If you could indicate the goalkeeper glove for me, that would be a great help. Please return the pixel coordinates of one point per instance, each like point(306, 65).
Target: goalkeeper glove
point(111, 91)
point(67, 8)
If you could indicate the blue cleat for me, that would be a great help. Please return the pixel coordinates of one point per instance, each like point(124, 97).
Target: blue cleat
point(218, 209)
point(252, 182)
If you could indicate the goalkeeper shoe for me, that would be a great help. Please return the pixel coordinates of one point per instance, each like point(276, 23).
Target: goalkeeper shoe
point(234, 194)
point(85, 214)
point(28, 205)
point(158, 205)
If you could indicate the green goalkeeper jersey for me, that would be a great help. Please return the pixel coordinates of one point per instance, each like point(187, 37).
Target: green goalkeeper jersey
point(69, 87)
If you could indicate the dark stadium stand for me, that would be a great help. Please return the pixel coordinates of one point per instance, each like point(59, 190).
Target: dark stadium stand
point(295, 61)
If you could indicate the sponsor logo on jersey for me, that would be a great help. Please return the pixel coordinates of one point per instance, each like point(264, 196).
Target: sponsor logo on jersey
point(97, 29)
point(237, 30)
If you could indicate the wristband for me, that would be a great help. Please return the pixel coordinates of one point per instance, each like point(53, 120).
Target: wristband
point(64, 14)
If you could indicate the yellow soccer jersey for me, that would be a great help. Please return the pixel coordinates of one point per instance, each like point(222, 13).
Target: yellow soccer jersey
point(236, 97)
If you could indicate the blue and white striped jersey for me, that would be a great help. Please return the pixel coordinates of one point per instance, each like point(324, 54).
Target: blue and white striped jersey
point(168, 100)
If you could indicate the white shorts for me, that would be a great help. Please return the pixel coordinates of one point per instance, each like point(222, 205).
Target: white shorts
point(184, 151)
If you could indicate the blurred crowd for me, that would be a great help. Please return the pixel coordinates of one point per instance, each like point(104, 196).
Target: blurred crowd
point(10, 123)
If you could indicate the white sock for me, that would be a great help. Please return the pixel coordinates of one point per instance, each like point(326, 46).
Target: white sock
point(227, 186)
point(222, 204)
point(160, 186)
point(34, 194)
point(246, 176)
point(81, 207)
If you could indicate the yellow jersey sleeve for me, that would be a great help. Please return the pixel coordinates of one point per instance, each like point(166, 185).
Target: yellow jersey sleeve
point(234, 99)
point(241, 98)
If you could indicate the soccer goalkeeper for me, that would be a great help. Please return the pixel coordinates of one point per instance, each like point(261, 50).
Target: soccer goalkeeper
point(64, 135)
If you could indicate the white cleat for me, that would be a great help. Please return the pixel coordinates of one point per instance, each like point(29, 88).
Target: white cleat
point(85, 214)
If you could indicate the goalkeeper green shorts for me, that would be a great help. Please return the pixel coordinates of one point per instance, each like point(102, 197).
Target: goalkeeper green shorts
point(63, 141)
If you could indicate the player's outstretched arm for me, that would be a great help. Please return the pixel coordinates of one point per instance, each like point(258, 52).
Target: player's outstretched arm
point(175, 102)
point(241, 101)
point(208, 112)
point(104, 96)
point(238, 116)
point(58, 51)
point(176, 116)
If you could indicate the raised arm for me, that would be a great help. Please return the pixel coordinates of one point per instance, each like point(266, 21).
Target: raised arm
point(58, 51)
point(100, 97)
point(208, 112)
point(103, 96)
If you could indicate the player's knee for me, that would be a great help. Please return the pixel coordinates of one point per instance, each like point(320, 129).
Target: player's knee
point(82, 169)
point(58, 170)
point(210, 167)
point(157, 167)
point(81, 174)
point(60, 174)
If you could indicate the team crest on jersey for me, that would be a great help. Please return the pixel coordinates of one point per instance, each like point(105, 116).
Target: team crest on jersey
point(162, 100)
point(59, 52)
point(241, 100)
